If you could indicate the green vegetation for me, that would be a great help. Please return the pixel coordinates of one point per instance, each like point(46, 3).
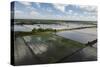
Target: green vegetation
point(43, 30)
point(34, 32)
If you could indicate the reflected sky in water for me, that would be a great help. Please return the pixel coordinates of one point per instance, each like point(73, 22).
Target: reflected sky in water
point(37, 47)
point(50, 47)
point(81, 35)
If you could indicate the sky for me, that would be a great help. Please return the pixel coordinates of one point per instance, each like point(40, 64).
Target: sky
point(54, 11)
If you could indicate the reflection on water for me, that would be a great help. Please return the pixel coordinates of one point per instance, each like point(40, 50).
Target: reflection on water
point(81, 35)
point(29, 28)
point(49, 48)
point(46, 48)
point(37, 47)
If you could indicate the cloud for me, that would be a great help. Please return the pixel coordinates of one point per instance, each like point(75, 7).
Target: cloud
point(34, 13)
point(69, 12)
point(30, 15)
point(72, 13)
point(38, 4)
point(60, 7)
point(25, 3)
point(30, 8)
point(18, 14)
point(75, 14)
point(90, 13)
point(89, 8)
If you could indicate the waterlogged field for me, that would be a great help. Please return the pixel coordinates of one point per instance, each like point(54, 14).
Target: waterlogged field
point(35, 45)
point(46, 48)
point(81, 35)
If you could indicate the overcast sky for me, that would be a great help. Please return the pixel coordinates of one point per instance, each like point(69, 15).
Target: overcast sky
point(32, 10)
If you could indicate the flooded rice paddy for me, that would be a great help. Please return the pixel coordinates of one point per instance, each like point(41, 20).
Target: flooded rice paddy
point(81, 35)
point(63, 46)
point(47, 48)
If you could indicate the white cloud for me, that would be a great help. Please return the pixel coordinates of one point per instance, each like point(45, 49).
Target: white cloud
point(89, 8)
point(90, 13)
point(34, 13)
point(61, 7)
point(31, 8)
point(38, 4)
point(49, 10)
point(75, 14)
point(30, 15)
point(69, 12)
point(18, 14)
point(25, 3)
point(86, 13)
